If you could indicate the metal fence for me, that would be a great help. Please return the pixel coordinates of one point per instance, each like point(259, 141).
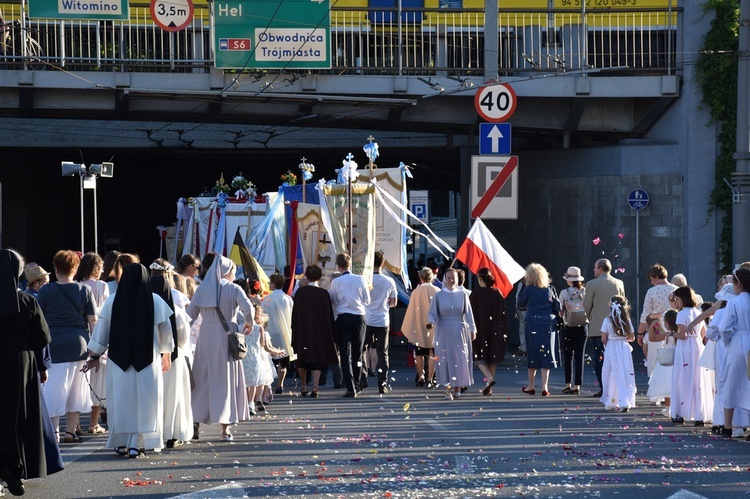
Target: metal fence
point(368, 41)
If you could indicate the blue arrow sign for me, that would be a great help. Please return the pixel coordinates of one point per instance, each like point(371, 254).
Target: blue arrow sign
point(494, 138)
point(638, 199)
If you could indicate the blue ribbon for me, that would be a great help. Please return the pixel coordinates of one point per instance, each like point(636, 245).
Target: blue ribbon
point(371, 150)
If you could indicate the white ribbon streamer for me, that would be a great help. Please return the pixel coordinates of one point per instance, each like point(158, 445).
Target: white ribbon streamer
point(379, 190)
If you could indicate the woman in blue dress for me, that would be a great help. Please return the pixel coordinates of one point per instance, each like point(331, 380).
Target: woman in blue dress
point(542, 311)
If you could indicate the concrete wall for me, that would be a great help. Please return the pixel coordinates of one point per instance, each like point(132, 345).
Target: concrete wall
point(569, 198)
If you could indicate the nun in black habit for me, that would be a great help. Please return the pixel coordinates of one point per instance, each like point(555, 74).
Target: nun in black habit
point(23, 331)
point(134, 323)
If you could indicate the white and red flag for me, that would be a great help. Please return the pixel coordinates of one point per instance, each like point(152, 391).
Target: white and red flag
point(481, 249)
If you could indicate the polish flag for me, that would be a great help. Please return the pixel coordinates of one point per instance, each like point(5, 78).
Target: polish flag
point(481, 249)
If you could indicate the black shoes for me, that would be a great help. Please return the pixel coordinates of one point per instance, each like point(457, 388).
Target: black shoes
point(350, 395)
point(279, 390)
point(597, 395)
point(384, 388)
point(196, 431)
point(336, 386)
point(420, 382)
point(13, 484)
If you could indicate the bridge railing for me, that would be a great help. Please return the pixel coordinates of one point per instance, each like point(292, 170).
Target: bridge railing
point(369, 41)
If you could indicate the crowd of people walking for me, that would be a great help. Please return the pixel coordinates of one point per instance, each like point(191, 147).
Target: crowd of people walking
point(145, 350)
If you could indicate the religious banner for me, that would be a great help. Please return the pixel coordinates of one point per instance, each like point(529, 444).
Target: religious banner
point(317, 246)
point(389, 235)
point(362, 221)
point(205, 222)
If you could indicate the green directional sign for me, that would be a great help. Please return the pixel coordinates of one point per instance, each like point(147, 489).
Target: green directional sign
point(102, 10)
point(272, 34)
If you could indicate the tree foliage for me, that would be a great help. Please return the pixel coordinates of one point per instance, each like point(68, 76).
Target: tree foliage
point(716, 74)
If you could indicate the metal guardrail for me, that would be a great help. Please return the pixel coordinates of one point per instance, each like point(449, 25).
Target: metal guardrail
point(448, 42)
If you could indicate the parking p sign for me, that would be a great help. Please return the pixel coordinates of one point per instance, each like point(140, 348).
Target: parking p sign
point(419, 205)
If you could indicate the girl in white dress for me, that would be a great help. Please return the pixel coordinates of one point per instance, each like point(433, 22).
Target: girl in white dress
point(660, 382)
point(618, 375)
point(692, 395)
point(258, 369)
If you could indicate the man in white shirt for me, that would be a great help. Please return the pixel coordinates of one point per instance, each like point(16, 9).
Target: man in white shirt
point(382, 297)
point(350, 296)
point(278, 307)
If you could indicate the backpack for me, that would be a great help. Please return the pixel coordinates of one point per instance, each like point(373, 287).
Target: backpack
point(575, 315)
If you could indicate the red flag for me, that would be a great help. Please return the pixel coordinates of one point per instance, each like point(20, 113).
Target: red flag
point(481, 249)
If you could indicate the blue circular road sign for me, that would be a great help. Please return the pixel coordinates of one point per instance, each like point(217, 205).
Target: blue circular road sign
point(638, 199)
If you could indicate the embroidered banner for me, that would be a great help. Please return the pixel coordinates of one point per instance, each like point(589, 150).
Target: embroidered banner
point(389, 235)
point(362, 221)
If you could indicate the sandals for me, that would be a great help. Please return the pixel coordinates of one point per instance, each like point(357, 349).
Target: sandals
point(71, 438)
point(303, 391)
point(96, 430)
point(487, 390)
point(314, 393)
point(134, 453)
point(226, 437)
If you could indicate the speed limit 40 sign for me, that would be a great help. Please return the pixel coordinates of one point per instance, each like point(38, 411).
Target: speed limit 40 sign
point(495, 102)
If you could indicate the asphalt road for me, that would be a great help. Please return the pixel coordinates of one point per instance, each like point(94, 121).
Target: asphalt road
point(413, 443)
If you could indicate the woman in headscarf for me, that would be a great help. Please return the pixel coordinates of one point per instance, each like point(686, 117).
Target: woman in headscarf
point(134, 324)
point(219, 395)
point(178, 415)
point(451, 315)
point(24, 332)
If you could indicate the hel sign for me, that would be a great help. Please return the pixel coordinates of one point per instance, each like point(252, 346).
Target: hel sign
point(292, 34)
point(95, 10)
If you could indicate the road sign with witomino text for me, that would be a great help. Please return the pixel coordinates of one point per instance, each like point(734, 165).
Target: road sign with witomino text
point(288, 34)
point(494, 187)
point(95, 10)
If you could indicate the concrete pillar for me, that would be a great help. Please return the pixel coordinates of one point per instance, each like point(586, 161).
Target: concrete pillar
point(491, 40)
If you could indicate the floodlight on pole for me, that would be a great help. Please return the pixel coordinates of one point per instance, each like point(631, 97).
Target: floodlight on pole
point(88, 181)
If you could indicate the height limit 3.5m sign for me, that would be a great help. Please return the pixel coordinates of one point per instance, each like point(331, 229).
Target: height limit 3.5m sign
point(495, 103)
point(494, 187)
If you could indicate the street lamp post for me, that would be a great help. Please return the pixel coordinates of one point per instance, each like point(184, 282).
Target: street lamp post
point(88, 181)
